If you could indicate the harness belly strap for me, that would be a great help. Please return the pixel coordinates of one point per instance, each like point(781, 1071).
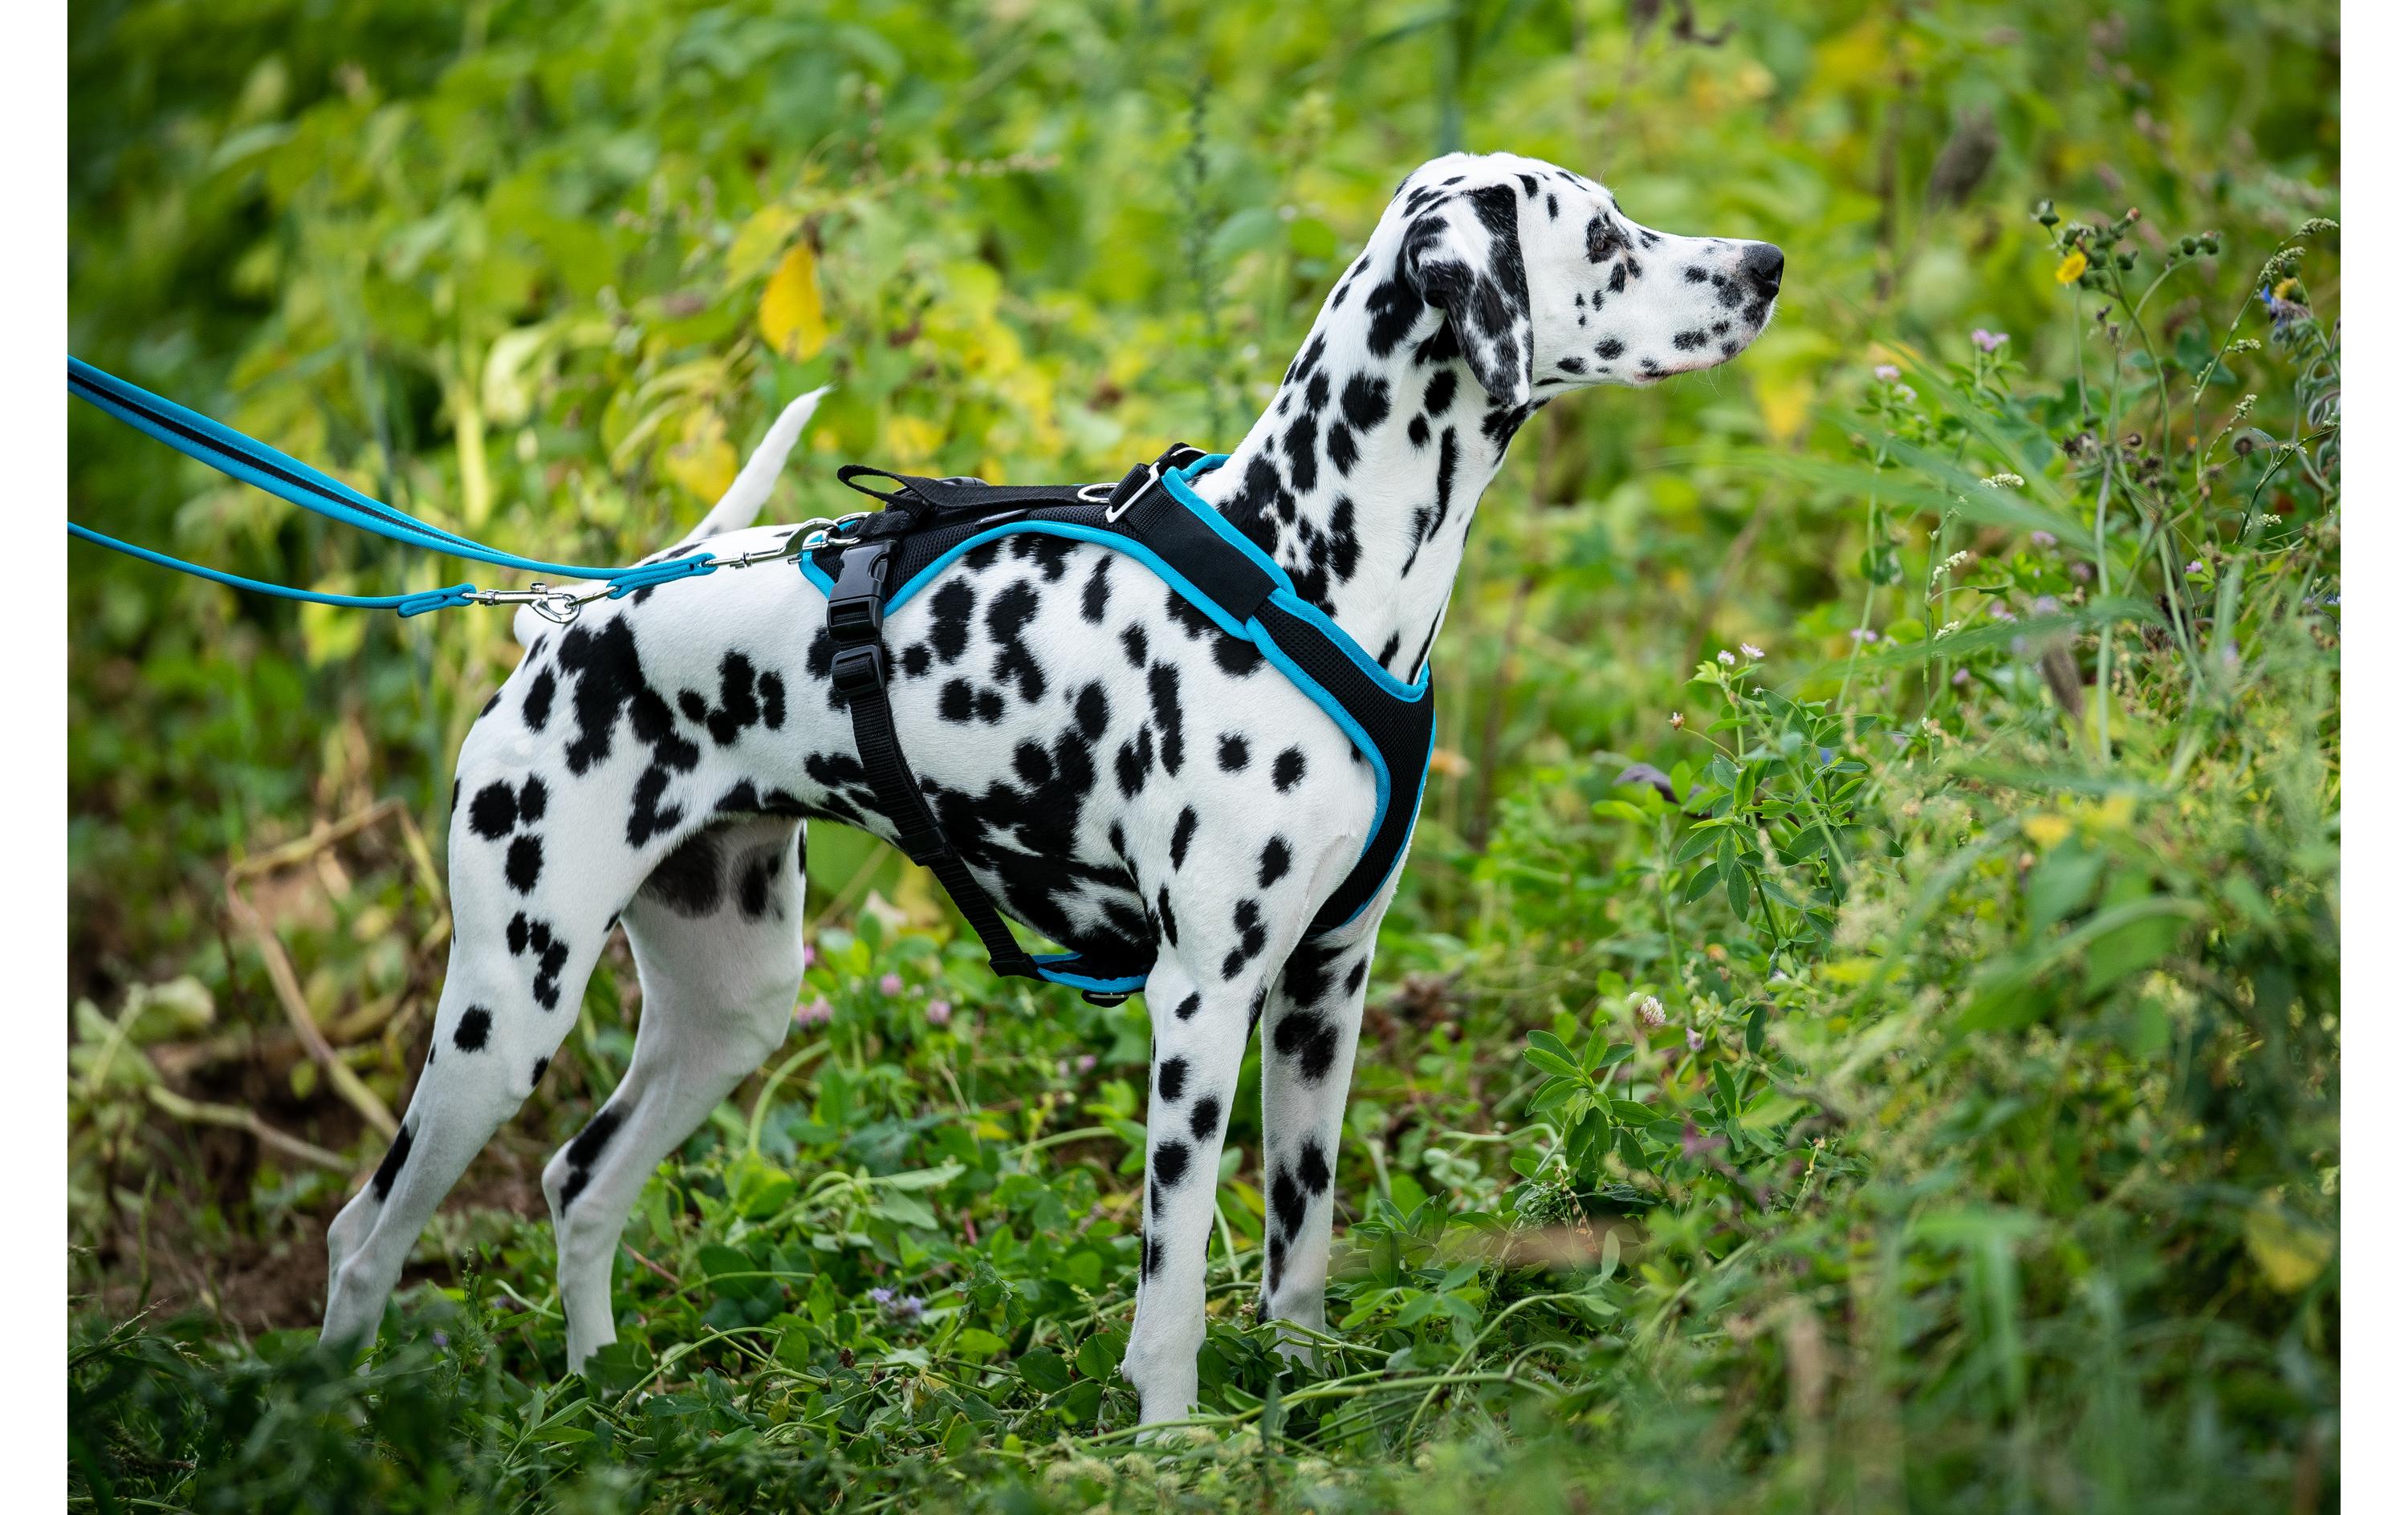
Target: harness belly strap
point(1152, 515)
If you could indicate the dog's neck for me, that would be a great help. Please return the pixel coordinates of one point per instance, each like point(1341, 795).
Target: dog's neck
point(1361, 477)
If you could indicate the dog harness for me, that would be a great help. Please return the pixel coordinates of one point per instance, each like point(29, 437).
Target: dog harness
point(1155, 515)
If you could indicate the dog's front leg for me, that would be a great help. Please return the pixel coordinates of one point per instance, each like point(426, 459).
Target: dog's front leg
point(1309, 1038)
point(1203, 1001)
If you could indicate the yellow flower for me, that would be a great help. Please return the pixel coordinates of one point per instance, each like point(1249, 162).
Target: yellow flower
point(2072, 268)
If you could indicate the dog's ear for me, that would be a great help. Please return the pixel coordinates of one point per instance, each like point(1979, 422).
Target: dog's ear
point(1463, 253)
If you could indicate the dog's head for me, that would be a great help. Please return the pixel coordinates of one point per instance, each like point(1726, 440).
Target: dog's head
point(1549, 287)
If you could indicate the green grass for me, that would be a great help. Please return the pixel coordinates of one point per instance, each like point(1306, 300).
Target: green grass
point(1934, 1108)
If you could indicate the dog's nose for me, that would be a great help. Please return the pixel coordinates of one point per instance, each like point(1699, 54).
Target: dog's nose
point(1761, 263)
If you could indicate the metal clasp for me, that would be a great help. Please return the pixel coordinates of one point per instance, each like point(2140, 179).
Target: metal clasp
point(558, 606)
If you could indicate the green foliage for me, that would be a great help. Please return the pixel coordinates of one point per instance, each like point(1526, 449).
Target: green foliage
point(1860, 1024)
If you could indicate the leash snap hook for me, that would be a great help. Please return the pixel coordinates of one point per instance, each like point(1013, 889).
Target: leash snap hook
point(558, 606)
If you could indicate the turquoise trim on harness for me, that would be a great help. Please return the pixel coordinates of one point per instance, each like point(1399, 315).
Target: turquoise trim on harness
point(1178, 482)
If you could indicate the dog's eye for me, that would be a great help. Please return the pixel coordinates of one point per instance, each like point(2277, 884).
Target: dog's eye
point(1604, 238)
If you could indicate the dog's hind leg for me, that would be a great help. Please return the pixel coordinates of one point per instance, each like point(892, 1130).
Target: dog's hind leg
point(1309, 1038)
point(717, 933)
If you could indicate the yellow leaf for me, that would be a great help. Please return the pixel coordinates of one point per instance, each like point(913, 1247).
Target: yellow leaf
point(1782, 404)
point(1850, 970)
point(911, 440)
point(758, 238)
point(2291, 1254)
point(329, 632)
point(2072, 268)
point(703, 459)
point(792, 320)
point(2047, 830)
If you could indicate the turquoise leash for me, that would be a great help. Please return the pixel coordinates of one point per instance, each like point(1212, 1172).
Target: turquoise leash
point(256, 464)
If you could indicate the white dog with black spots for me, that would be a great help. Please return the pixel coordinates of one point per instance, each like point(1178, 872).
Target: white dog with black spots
point(1112, 767)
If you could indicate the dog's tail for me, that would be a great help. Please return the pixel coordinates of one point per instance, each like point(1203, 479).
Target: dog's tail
point(750, 491)
point(736, 508)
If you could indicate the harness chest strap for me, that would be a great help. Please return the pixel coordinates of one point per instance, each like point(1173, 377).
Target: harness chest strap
point(1152, 515)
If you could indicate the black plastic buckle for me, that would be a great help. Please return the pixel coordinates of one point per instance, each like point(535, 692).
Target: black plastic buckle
point(856, 609)
point(858, 670)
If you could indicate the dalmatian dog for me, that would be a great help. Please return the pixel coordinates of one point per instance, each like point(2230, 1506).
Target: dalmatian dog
point(1110, 765)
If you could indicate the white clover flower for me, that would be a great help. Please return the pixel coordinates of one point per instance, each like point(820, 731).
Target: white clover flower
point(2008, 480)
point(1725, 658)
point(1751, 650)
point(1651, 1012)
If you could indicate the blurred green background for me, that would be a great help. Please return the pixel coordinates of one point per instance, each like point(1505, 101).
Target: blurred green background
point(543, 271)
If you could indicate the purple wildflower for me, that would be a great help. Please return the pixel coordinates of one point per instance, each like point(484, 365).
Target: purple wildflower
point(2044, 538)
point(1864, 635)
point(1697, 1040)
point(814, 1012)
point(1988, 341)
point(1886, 372)
point(890, 984)
point(941, 1012)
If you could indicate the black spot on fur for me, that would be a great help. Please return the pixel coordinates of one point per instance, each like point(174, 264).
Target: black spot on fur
point(537, 709)
point(476, 1024)
point(1133, 644)
point(1182, 833)
point(952, 604)
point(584, 1149)
point(1162, 685)
point(1006, 617)
point(1246, 918)
point(1204, 1120)
point(1172, 1080)
point(1098, 592)
point(1162, 913)
point(1365, 401)
point(1188, 1007)
point(525, 864)
point(494, 814)
point(1274, 864)
point(1092, 711)
point(1311, 1168)
point(1234, 752)
point(1170, 1163)
point(1287, 769)
point(1311, 1038)
point(541, 1063)
point(1287, 1203)
point(1134, 762)
point(752, 883)
point(390, 1169)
